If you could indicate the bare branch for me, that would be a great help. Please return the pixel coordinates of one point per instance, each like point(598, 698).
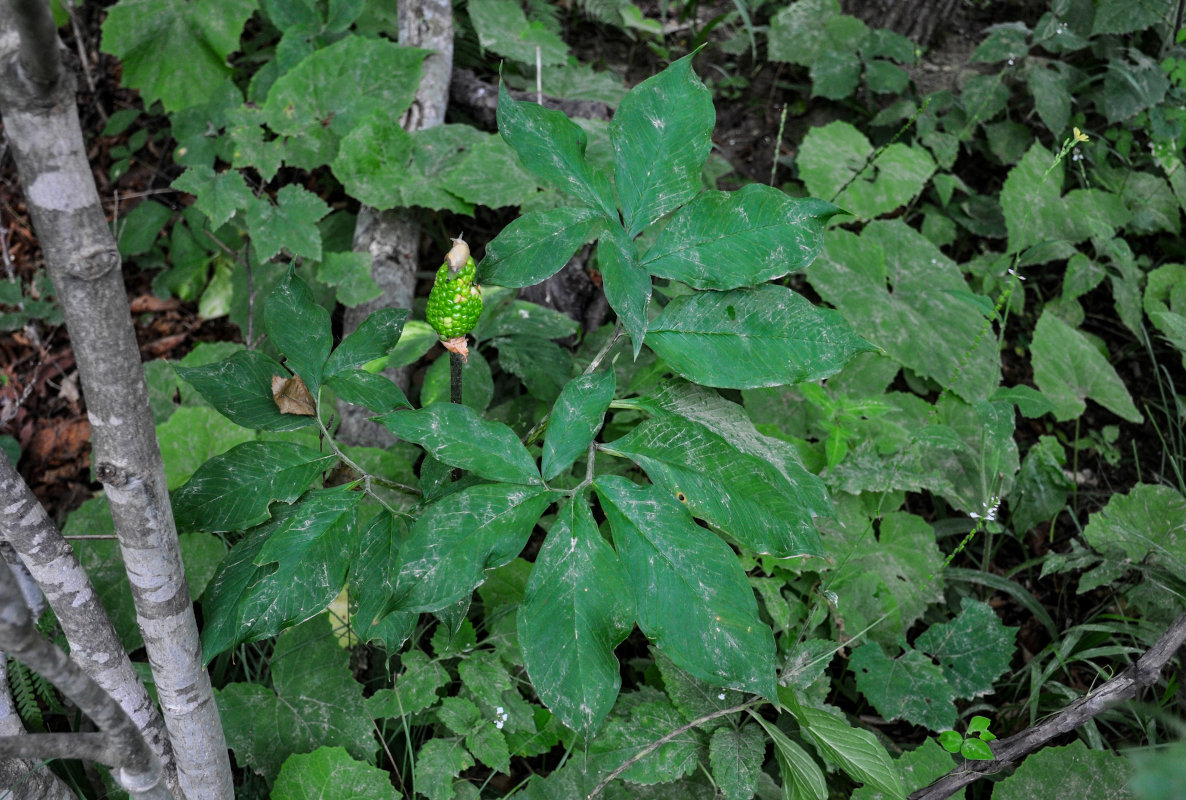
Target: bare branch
point(1123, 687)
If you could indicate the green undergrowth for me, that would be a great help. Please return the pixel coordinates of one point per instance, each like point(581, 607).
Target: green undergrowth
point(866, 462)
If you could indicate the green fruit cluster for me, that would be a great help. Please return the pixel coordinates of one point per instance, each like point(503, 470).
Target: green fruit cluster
point(454, 304)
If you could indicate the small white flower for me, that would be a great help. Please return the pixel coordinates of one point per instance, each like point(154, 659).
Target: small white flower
point(721, 696)
point(500, 717)
point(1010, 62)
point(1016, 274)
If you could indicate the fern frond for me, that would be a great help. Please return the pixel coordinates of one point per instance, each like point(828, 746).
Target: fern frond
point(20, 683)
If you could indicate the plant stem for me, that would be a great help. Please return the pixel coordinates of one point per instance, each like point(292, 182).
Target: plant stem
point(455, 367)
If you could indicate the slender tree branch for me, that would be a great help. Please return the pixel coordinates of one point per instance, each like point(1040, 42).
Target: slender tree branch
point(121, 746)
point(39, 42)
point(1124, 686)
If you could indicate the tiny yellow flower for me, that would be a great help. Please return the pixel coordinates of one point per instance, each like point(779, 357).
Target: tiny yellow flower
point(1080, 136)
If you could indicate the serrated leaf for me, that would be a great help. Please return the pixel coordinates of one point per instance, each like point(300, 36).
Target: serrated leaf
point(489, 174)
point(552, 147)
point(437, 764)
point(350, 274)
point(797, 32)
point(745, 338)
point(415, 688)
point(1070, 771)
point(217, 195)
point(521, 318)
point(173, 51)
point(627, 285)
point(460, 537)
point(1147, 523)
point(890, 283)
point(502, 28)
point(856, 751)
point(1052, 99)
point(909, 687)
point(974, 649)
point(575, 611)
point(736, 758)
point(326, 773)
point(232, 491)
point(577, 417)
point(837, 155)
point(744, 495)
point(456, 435)
point(623, 737)
point(661, 134)
point(240, 388)
point(289, 225)
point(724, 240)
point(316, 703)
point(693, 697)
point(191, 436)
point(334, 89)
point(1068, 369)
point(537, 245)
point(299, 327)
point(692, 597)
point(282, 572)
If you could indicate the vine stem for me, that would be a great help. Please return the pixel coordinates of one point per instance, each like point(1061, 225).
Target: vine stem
point(662, 740)
point(455, 366)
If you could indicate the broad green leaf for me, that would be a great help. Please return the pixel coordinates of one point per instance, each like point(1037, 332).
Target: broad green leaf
point(1148, 522)
point(438, 762)
point(193, 434)
point(743, 494)
point(974, 649)
point(232, 491)
point(299, 327)
point(477, 383)
point(552, 147)
point(1070, 771)
point(575, 611)
point(371, 580)
point(692, 597)
point(800, 773)
point(240, 388)
point(336, 88)
point(577, 416)
point(374, 338)
point(282, 572)
point(174, 51)
point(315, 702)
point(892, 285)
point(460, 537)
point(456, 435)
point(627, 285)
point(889, 575)
point(350, 274)
point(385, 167)
point(483, 739)
point(521, 318)
point(489, 174)
point(217, 195)
point(736, 758)
point(362, 388)
point(837, 155)
point(625, 735)
point(289, 225)
point(1042, 486)
point(537, 245)
point(310, 17)
point(330, 772)
point(139, 229)
point(724, 240)
point(856, 751)
point(1068, 369)
point(1052, 98)
point(502, 28)
point(908, 687)
point(661, 134)
point(797, 33)
point(1132, 85)
point(1037, 211)
point(745, 338)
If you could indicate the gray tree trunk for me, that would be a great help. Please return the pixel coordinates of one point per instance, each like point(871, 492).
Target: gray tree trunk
point(41, 121)
point(393, 237)
point(918, 20)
